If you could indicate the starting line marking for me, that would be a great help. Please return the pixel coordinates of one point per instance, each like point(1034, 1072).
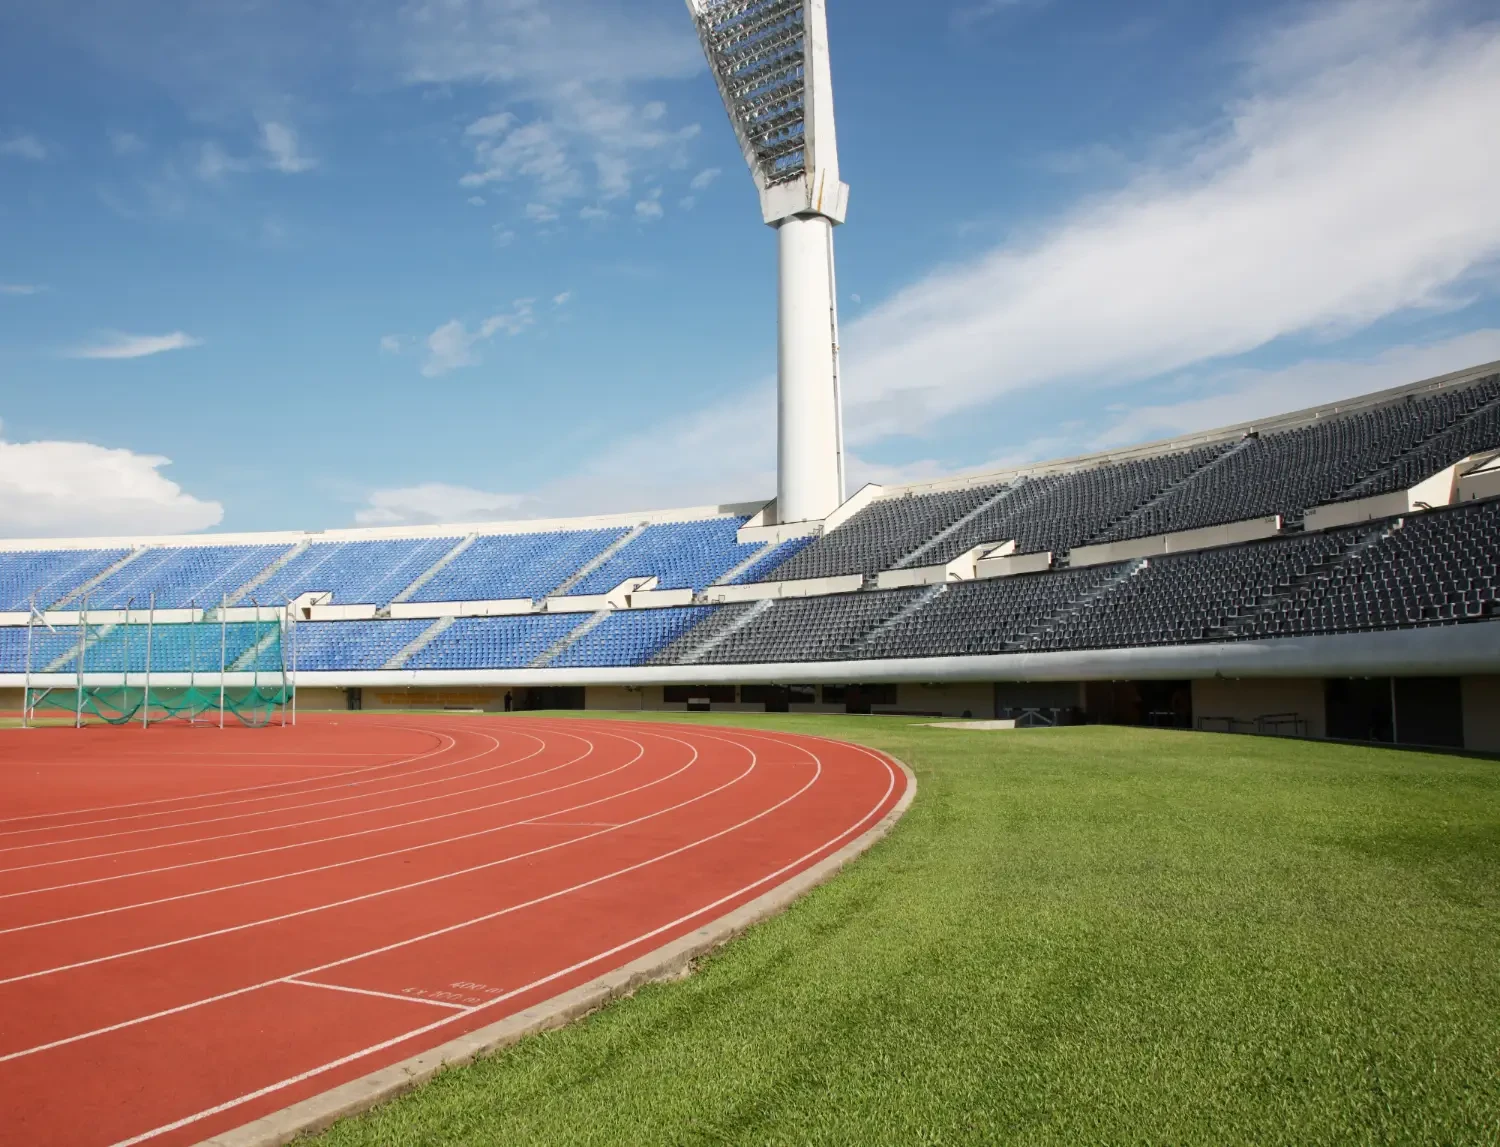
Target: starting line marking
point(371, 992)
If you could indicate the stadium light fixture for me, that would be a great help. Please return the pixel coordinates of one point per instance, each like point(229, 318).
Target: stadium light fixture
point(770, 60)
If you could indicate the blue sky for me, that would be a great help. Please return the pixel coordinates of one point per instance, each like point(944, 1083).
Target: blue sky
point(312, 263)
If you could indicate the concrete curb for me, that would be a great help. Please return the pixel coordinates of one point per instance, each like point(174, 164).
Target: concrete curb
point(665, 963)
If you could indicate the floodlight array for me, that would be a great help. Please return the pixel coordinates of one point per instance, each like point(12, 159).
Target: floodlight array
point(758, 48)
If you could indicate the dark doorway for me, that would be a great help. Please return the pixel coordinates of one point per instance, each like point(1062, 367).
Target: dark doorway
point(861, 698)
point(1429, 711)
point(356, 700)
point(1159, 704)
point(552, 697)
point(1359, 709)
point(776, 698)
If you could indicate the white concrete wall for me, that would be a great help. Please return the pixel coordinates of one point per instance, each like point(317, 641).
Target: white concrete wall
point(1183, 541)
point(802, 587)
point(1434, 651)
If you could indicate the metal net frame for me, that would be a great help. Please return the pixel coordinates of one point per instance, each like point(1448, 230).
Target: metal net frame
point(146, 667)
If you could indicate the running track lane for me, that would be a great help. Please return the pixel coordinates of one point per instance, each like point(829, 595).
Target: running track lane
point(198, 928)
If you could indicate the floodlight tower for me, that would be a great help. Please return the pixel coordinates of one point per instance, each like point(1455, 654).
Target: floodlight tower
point(770, 59)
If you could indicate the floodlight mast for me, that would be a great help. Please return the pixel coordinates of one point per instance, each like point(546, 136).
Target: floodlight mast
point(770, 60)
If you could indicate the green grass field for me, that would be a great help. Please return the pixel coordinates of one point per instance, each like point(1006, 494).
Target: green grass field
point(1089, 935)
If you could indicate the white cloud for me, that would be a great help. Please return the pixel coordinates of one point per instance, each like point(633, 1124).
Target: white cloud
point(572, 125)
point(503, 235)
point(724, 453)
point(649, 210)
point(704, 179)
point(390, 344)
point(280, 144)
point(541, 213)
point(475, 201)
point(453, 345)
point(1352, 181)
point(592, 214)
point(126, 142)
point(25, 147)
point(214, 163)
point(118, 346)
point(727, 452)
point(1334, 199)
point(433, 503)
point(974, 13)
point(561, 300)
point(68, 489)
point(21, 289)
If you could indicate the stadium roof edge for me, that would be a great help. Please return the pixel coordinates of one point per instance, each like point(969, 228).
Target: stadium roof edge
point(1269, 425)
point(389, 533)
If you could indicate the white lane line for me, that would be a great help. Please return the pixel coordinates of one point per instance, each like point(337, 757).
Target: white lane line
point(297, 807)
point(302, 1077)
point(494, 745)
point(448, 743)
point(231, 792)
point(382, 855)
point(115, 768)
point(368, 895)
point(300, 912)
point(316, 840)
point(64, 1041)
point(368, 992)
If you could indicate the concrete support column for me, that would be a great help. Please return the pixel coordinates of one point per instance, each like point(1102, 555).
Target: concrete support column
point(810, 455)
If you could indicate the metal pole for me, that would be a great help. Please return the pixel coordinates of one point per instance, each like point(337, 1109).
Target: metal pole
point(1395, 719)
point(26, 696)
point(194, 620)
point(282, 623)
point(223, 645)
point(146, 695)
point(293, 612)
point(83, 640)
point(125, 672)
point(255, 654)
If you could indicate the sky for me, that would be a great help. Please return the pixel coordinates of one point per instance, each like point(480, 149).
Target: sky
point(307, 264)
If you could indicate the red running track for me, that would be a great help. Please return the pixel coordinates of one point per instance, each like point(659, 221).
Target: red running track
point(199, 927)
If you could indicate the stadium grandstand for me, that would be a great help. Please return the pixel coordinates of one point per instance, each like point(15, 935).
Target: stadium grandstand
point(1333, 572)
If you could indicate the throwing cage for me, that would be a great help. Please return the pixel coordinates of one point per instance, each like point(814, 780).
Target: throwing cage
point(203, 667)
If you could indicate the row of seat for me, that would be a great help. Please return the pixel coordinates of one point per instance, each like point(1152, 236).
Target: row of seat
point(1437, 568)
point(363, 573)
point(683, 555)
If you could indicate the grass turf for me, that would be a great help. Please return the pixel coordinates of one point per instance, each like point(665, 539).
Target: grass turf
point(1090, 935)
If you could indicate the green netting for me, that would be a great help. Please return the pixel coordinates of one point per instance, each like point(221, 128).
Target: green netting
point(133, 671)
point(122, 705)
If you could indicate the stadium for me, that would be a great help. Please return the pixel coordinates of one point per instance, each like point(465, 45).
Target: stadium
point(1143, 795)
point(1327, 573)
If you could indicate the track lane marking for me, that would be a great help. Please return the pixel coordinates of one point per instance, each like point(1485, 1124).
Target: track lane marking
point(262, 812)
point(228, 792)
point(358, 899)
point(369, 992)
point(295, 844)
point(392, 852)
point(395, 1041)
point(292, 824)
